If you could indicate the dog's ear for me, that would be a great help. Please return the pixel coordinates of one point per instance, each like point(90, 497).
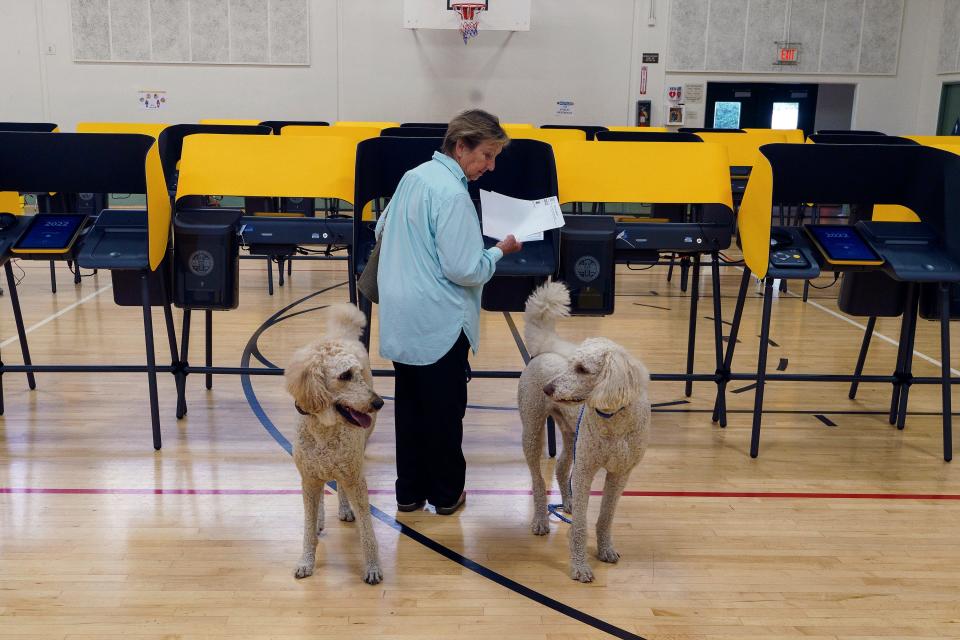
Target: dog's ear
point(621, 381)
point(306, 382)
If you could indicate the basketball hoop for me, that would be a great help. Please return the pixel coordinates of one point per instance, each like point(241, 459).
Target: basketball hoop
point(469, 17)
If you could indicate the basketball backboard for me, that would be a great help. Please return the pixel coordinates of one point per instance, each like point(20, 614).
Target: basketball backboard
point(500, 15)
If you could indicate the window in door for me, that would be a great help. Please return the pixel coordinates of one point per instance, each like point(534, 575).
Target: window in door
point(726, 115)
point(785, 115)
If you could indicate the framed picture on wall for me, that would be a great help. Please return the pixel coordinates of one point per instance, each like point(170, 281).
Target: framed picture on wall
point(675, 114)
point(644, 111)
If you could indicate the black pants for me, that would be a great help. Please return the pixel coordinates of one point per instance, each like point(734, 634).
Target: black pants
point(431, 401)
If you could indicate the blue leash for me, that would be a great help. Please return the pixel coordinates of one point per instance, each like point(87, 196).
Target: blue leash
point(556, 509)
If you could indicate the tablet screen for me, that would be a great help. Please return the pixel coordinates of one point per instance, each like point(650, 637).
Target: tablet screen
point(50, 231)
point(842, 243)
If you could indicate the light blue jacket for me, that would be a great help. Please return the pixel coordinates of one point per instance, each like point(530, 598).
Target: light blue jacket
point(432, 265)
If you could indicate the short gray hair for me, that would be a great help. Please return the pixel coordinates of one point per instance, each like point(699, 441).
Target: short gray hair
point(473, 127)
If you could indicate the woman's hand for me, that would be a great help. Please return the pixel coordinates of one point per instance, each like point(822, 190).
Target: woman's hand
point(509, 245)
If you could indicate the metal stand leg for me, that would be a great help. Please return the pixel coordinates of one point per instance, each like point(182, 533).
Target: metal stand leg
point(692, 330)
point(551, 438)
point(761, 367)
point(53, 277)
point(289, 266)
point(945, 389)
point(806, 290)
point(912, 302)
point(18, 319)
point(684, 272)
point(280, 270)
point(720, 406)
point(209, 346)
point(367, 308)
point(673, 261)
point(717, 322)
point(76, 272)
point(269, 275)
point(151, 358)
point(898, 371)
point(862, 358)
point(2, 408)
point(184, 350)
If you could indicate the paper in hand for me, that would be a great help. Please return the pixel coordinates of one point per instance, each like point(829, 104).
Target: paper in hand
point(526, 220)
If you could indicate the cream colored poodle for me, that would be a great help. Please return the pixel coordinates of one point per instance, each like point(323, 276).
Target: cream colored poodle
point(332, 387)
point(601, 386)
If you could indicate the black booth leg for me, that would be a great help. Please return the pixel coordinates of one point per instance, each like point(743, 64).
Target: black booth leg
point(280, 279)
point(912, 302)
point(76, 271)
point(53, 277)
point(761, 367)
point(208, 321)
point(151, 358)
point(673, 261)
point(717, 321)
point(862, 358)
point(269, 275)
point(551, 438)
point(806, 290)
point(945, 389)
point(692, 330)
point(720, 406)
point(684, 272)
point(18, 319)
point(366, 306)
point(184, 350)
point(289, 266)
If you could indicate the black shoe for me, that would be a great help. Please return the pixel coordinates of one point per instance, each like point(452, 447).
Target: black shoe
point(447, 511)
point(413, 506)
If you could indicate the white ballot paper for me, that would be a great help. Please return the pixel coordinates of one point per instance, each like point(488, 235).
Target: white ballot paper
point(526, 220)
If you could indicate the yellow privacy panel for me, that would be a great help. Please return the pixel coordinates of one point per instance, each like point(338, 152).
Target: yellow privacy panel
point(743, 149)
point(754, 217)
point(660, 172)
point(649, 129)
point(239, 121)
point(10, 202)
point(271, 166)
point(893, 213)
point(151, 129)
point(355, 134)
point(549, 136)
point(359, 123)
point(158, 207)
point(766, 136)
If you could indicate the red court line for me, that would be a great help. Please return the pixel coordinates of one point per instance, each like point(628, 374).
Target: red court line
point(500, 492)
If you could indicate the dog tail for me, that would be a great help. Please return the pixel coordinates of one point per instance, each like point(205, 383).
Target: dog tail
point(345, 322)
point(544, 306)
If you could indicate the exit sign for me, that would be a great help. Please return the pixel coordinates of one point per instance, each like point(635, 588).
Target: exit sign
point(787, 54)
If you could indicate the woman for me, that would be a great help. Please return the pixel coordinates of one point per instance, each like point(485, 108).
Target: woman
point(432, 270)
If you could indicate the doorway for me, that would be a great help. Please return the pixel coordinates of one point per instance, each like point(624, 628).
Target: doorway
point(949, 120)
point(761, 105)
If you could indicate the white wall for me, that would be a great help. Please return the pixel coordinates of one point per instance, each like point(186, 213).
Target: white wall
point(365, 65)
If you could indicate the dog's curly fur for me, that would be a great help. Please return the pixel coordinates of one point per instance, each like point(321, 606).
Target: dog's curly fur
point(331, 382)
point(562, 377)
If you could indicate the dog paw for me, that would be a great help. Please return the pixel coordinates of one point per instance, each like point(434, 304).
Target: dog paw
point(373, 575)
point(540, 527)
point(303, 570)
point(346, 514)
point(608, 554)
point(581, 573)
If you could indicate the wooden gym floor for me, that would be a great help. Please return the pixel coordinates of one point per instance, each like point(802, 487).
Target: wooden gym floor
point(844, 527)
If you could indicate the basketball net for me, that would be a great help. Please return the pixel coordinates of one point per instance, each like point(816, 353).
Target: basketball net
point(469, 18)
